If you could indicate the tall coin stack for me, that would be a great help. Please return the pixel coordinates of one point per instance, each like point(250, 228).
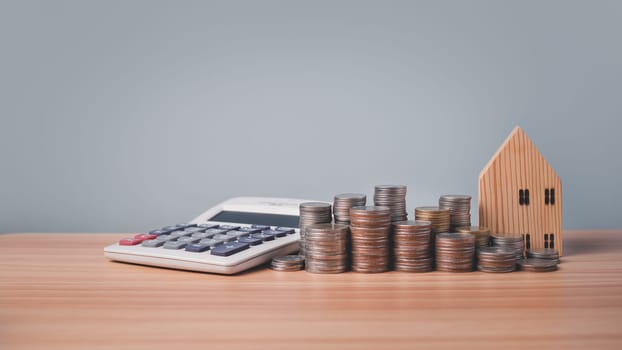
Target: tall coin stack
point(482, 234)
point(459, 209)
point(370, 228)
point(494, 259)
point(326, 248)
point(313, 213)
point(342, 204)
point(509, 241)
point(412, 246)
point(393, 197)
point(455, 252)
point(438, 217)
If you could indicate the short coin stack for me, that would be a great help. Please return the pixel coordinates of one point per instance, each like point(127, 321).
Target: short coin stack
point(326, 248)
point(544, 253)
point(437, 216)
point(459, 209)
point(482, 234)
point(493, 259)
point(313, 213)
point(455, 252)
point(412, 246)
point(537, 265)
point(393, 197)
point(288, 263)
point(370, 227)
point(509, 241)
point(342, 204)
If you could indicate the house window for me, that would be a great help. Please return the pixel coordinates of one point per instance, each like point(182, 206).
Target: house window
point(552, 241)
point(546, 240)
point(546, 196)
point(523, 197)
point(552, 200)
point(549, 196)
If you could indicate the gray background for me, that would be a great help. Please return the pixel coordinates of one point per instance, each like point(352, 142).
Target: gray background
point(128, 115)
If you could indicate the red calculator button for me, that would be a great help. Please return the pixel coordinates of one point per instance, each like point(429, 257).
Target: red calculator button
point(145, 236)
point(130, 241)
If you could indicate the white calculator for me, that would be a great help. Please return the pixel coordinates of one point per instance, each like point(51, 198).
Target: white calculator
point(233, 236)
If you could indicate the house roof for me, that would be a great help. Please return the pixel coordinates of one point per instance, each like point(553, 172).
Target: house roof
point(517, 136)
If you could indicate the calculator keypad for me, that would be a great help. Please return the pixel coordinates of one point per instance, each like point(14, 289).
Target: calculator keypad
point(219, 240)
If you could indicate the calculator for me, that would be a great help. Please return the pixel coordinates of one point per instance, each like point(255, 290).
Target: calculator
point(233, 236)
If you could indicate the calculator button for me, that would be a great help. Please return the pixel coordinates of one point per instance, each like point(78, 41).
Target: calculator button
point(225, 237)
point(152, 243)
point(275, 233)
point(197, 247)
point(229, 248)
point(228, 227)
point(288, 230)
point(130, 241)
point(232, 236)
point(193, 229)
point(250, 240)
point(238, 234)
point(188, 239)
point(215, 231)
point(182, 226)
point(145, 236)
point(263, 236)
point(174, 245)
point(164, 238)
point(207, 226)
point(158, 232)
point(249, 230)
point(178, 233)
point(211, 242)
point(261, 227)
point(202, 235)
point(170, 228)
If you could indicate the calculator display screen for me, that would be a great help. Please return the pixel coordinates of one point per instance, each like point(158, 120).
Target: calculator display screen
point(239, 217)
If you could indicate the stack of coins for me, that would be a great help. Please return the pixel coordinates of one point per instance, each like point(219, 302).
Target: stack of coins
point(509, 241)
point(455, 252)
point(313, 213)
point(537, 265)
point(288, 263)
point(493, 259)
point(544, 253)
point(326, 248)
point(459, 209)
point(370, 228)
point(412, 246)
point(342, 204)
point(482, 234)
point(437, 216)
point(393, 197)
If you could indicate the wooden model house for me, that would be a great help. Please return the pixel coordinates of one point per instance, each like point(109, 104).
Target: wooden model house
point(519, 192)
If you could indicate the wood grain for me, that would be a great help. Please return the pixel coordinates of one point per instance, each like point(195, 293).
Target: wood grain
point(57, 291)
point(518, 164)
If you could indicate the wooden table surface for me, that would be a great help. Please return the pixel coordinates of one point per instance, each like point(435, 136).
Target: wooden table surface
point(57, 291)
